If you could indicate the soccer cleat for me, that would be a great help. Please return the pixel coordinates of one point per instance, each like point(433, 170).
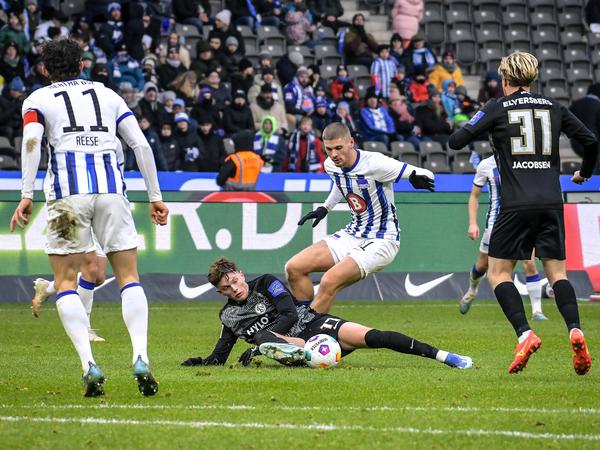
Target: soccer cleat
point(582, 361)
point(465, 302)
point(524, 351)
point(458, 361)
point(93, 381)
point(40, 287)
point(287, 354)
point(538, 316)
point(94, 337)
point(147, 385)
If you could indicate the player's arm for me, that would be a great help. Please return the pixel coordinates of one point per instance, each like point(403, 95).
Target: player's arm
point(391, 170)
point(219, 355)
point(284, 303)
point(131, 133)
point(473, 207)
point(477, 127)
point(576, 130)
point(33, 133)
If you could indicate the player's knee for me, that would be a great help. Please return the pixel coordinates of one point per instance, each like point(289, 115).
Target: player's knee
point(100, 278)
point(292, 269)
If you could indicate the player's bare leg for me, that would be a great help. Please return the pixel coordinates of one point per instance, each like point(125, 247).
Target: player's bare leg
point(534, 288)
point(477, 273)
point(92, 274)
point(135, 315)
point(566, 302)
point(341, 275)
point(500, 277)
point(315, 258)
point(74, 319)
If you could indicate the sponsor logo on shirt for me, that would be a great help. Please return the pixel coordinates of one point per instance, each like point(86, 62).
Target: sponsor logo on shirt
point(260, 308)
point(275, 288)
point(356, 203)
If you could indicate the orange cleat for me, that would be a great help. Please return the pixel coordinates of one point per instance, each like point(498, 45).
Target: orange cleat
point(524, 351)
point(582, 361)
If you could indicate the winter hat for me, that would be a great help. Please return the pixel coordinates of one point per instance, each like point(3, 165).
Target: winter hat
point(203, 46)
point(168, 95)
point(244, 64)
point(125, 86)
point(344, 105)
point(149, 61)
point(448, 53)
point(224, 16)
point(301, 71)
point(264, 55)
point(87, 56)
point(205, 90)
point(244, 140)
point(179, 102)
point(16, 84)
point(204, 117)
point(112, 6)
point(150, 85)
point(371, 93)
point(432, 90)
point(266, 88)
point(182, 117)
point(239, 94)
point(461, 90)
point(296, 58)
point(232, 40)
point(321, 102)
point(418, 37)
point(268, 70)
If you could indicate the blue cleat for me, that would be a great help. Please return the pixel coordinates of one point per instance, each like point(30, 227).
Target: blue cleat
point(287, 354)
point(93, 381)
point(539, 316)
point(458, 361)
point(147, 384)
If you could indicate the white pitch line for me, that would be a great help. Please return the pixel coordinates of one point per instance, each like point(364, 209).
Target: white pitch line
point(491, 409)
point(301, 427)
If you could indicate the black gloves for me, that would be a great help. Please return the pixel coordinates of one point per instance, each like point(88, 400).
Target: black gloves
point(247, 356)
point(318, 214)
point(210, 360)
point(421, 181)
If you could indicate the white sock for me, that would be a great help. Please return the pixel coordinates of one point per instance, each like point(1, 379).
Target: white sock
point(441, 355)
point(534, 288)
point(51, 288)
point(85, 289)
point(135, 316)
point(75, 321)
point(524, 336)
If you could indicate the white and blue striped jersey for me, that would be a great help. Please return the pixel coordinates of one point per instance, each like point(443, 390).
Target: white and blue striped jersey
point(79, 121)
point(487, 173)
point(368, 187)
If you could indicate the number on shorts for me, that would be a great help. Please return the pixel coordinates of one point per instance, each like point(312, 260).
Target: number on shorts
point(330, 324)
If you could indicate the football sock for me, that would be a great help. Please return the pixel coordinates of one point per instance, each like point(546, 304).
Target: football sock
point(534, 288)
point(51, 288)
point(476, 276)
point(86, 293)
point(135, 315)
point(564, 295)
point(399, 343)
point(512, 306)
point(75, 321)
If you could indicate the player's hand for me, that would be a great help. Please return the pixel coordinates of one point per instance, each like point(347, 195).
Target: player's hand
point(21, 215)
point(318, 214)
point(159, 213)
point(421, 181)
point(473, 232)
point(197, 361)
point(246, 357)
point(577, 178)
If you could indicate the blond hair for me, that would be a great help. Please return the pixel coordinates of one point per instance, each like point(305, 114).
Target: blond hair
point(336, 130)
point(519, 68)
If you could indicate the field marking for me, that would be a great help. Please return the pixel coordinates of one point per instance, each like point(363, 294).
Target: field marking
point(300, 427)
point(493, 409)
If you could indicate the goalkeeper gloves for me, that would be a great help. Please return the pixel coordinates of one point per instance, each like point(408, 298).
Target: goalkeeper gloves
point(210, 360)
point(318, 214)
point(246, 357)
point(421, 181)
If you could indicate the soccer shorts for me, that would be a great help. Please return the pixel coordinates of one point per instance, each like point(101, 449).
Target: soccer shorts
point(323, 324)
point(484, 245)
point(96, 247)
point(371, 255)
point(517, 233)
point(70, 221)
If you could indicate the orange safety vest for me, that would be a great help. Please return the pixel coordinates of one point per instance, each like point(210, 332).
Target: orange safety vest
point(247, 168)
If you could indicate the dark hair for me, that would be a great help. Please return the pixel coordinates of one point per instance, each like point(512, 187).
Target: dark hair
point(61, 59)
point(219, 268)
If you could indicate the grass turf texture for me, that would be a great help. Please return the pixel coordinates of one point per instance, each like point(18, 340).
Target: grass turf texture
point(376, 399)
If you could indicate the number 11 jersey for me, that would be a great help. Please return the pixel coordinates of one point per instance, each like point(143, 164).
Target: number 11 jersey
point(80, 120)
point(524, 131)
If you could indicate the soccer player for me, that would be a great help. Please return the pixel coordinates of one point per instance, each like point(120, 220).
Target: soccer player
point(487, 173)
point(365, 180)
point(84, 187)
point(264, 311)
point(524, 130)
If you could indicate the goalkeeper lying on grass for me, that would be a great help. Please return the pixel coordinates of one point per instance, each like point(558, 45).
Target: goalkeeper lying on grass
point(263, 311)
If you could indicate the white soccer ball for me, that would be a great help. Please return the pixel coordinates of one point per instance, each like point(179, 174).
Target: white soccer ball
point(322, 351)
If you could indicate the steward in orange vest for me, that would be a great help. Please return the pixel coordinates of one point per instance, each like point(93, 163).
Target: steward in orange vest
point(241, 169)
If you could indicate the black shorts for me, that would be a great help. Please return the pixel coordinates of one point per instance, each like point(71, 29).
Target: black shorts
point(323, 324)
point(517, 233)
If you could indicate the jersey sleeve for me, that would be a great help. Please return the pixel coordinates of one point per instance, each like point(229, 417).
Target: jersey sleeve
point(334, 197)
point(276, 291)
point(574, 128)
point(479, 124)
point(387, 170)
point(31, 150)
point(480, 176)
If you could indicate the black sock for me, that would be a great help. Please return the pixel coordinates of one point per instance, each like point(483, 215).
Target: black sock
point(564, 295)
point(510, 301)
point(399, 343)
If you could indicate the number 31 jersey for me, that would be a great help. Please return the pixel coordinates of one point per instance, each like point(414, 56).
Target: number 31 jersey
point(524, 131)
point(80, 120)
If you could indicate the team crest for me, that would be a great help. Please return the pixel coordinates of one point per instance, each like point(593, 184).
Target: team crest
point(260, 308)
point(356, 203)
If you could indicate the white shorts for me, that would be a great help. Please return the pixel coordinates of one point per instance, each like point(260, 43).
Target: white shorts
point(484, 245)
point(70, 222)
point(96, 247)
point(371, 255)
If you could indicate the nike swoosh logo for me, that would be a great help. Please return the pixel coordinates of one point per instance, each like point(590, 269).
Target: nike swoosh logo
point(416, 290)
point(107, 281)
point(522, 287)
point(193, 292)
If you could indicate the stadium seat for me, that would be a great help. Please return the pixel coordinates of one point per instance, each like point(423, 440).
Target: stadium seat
point(518, 7)
point(455, 16)
point(465, 45)
point(489, 6)
point(577, 59)
point(192, 49)
point(565, 4)
point(187, 30)
point(483, 148)
point(302, 49)
point(486, 20)
point(358, 71)
point(327, 36)
point(572, 38)
point(374, 146)
point(543, 36)
point(409, 157)
point(571, 20)
point(8, 163)
point(18, 142)
point(595, 60)
point(275, 50)
point(574, 75)
point(435, 32)
point(327, 71)
point(71, 7)
point(551, 77)
point(568, 167)
point(327, 54)
point(432, 15)
point(539, 19)
point(362, 84)
point(437, 163)
point(270, 36)
point(545, 6)
point(250, 42)
point(579, 90)
point(490, 57)
point(462, 164)
point(558, 93)
point(401, 148)
point(427, 147)
point(245, 30)
point(489, 38)
point(434, 5)
point(594, 40)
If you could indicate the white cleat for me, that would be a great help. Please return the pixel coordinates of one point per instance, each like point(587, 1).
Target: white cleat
point(94, 337)
point(40, 287)
point(465, 302)
point(287, 354)
point(538, 316)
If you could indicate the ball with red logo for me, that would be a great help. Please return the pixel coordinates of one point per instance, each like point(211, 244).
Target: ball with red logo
point(322, 350)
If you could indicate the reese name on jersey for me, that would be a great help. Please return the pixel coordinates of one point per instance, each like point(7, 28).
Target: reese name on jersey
point(87, 140)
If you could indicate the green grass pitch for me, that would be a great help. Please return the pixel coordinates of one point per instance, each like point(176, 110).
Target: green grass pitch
point(375, 399)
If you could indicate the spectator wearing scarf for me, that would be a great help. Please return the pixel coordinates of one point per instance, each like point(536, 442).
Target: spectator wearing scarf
point(269, 144)
point(419, 57)
point(447, 70)
point(337, 86)
point(305, 150)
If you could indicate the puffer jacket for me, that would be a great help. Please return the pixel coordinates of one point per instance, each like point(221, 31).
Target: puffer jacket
point(406, 15)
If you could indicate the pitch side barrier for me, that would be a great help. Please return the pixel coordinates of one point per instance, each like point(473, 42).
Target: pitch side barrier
point(258, 229)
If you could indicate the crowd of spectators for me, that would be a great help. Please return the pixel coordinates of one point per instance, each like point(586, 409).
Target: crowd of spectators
point(187, 105)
